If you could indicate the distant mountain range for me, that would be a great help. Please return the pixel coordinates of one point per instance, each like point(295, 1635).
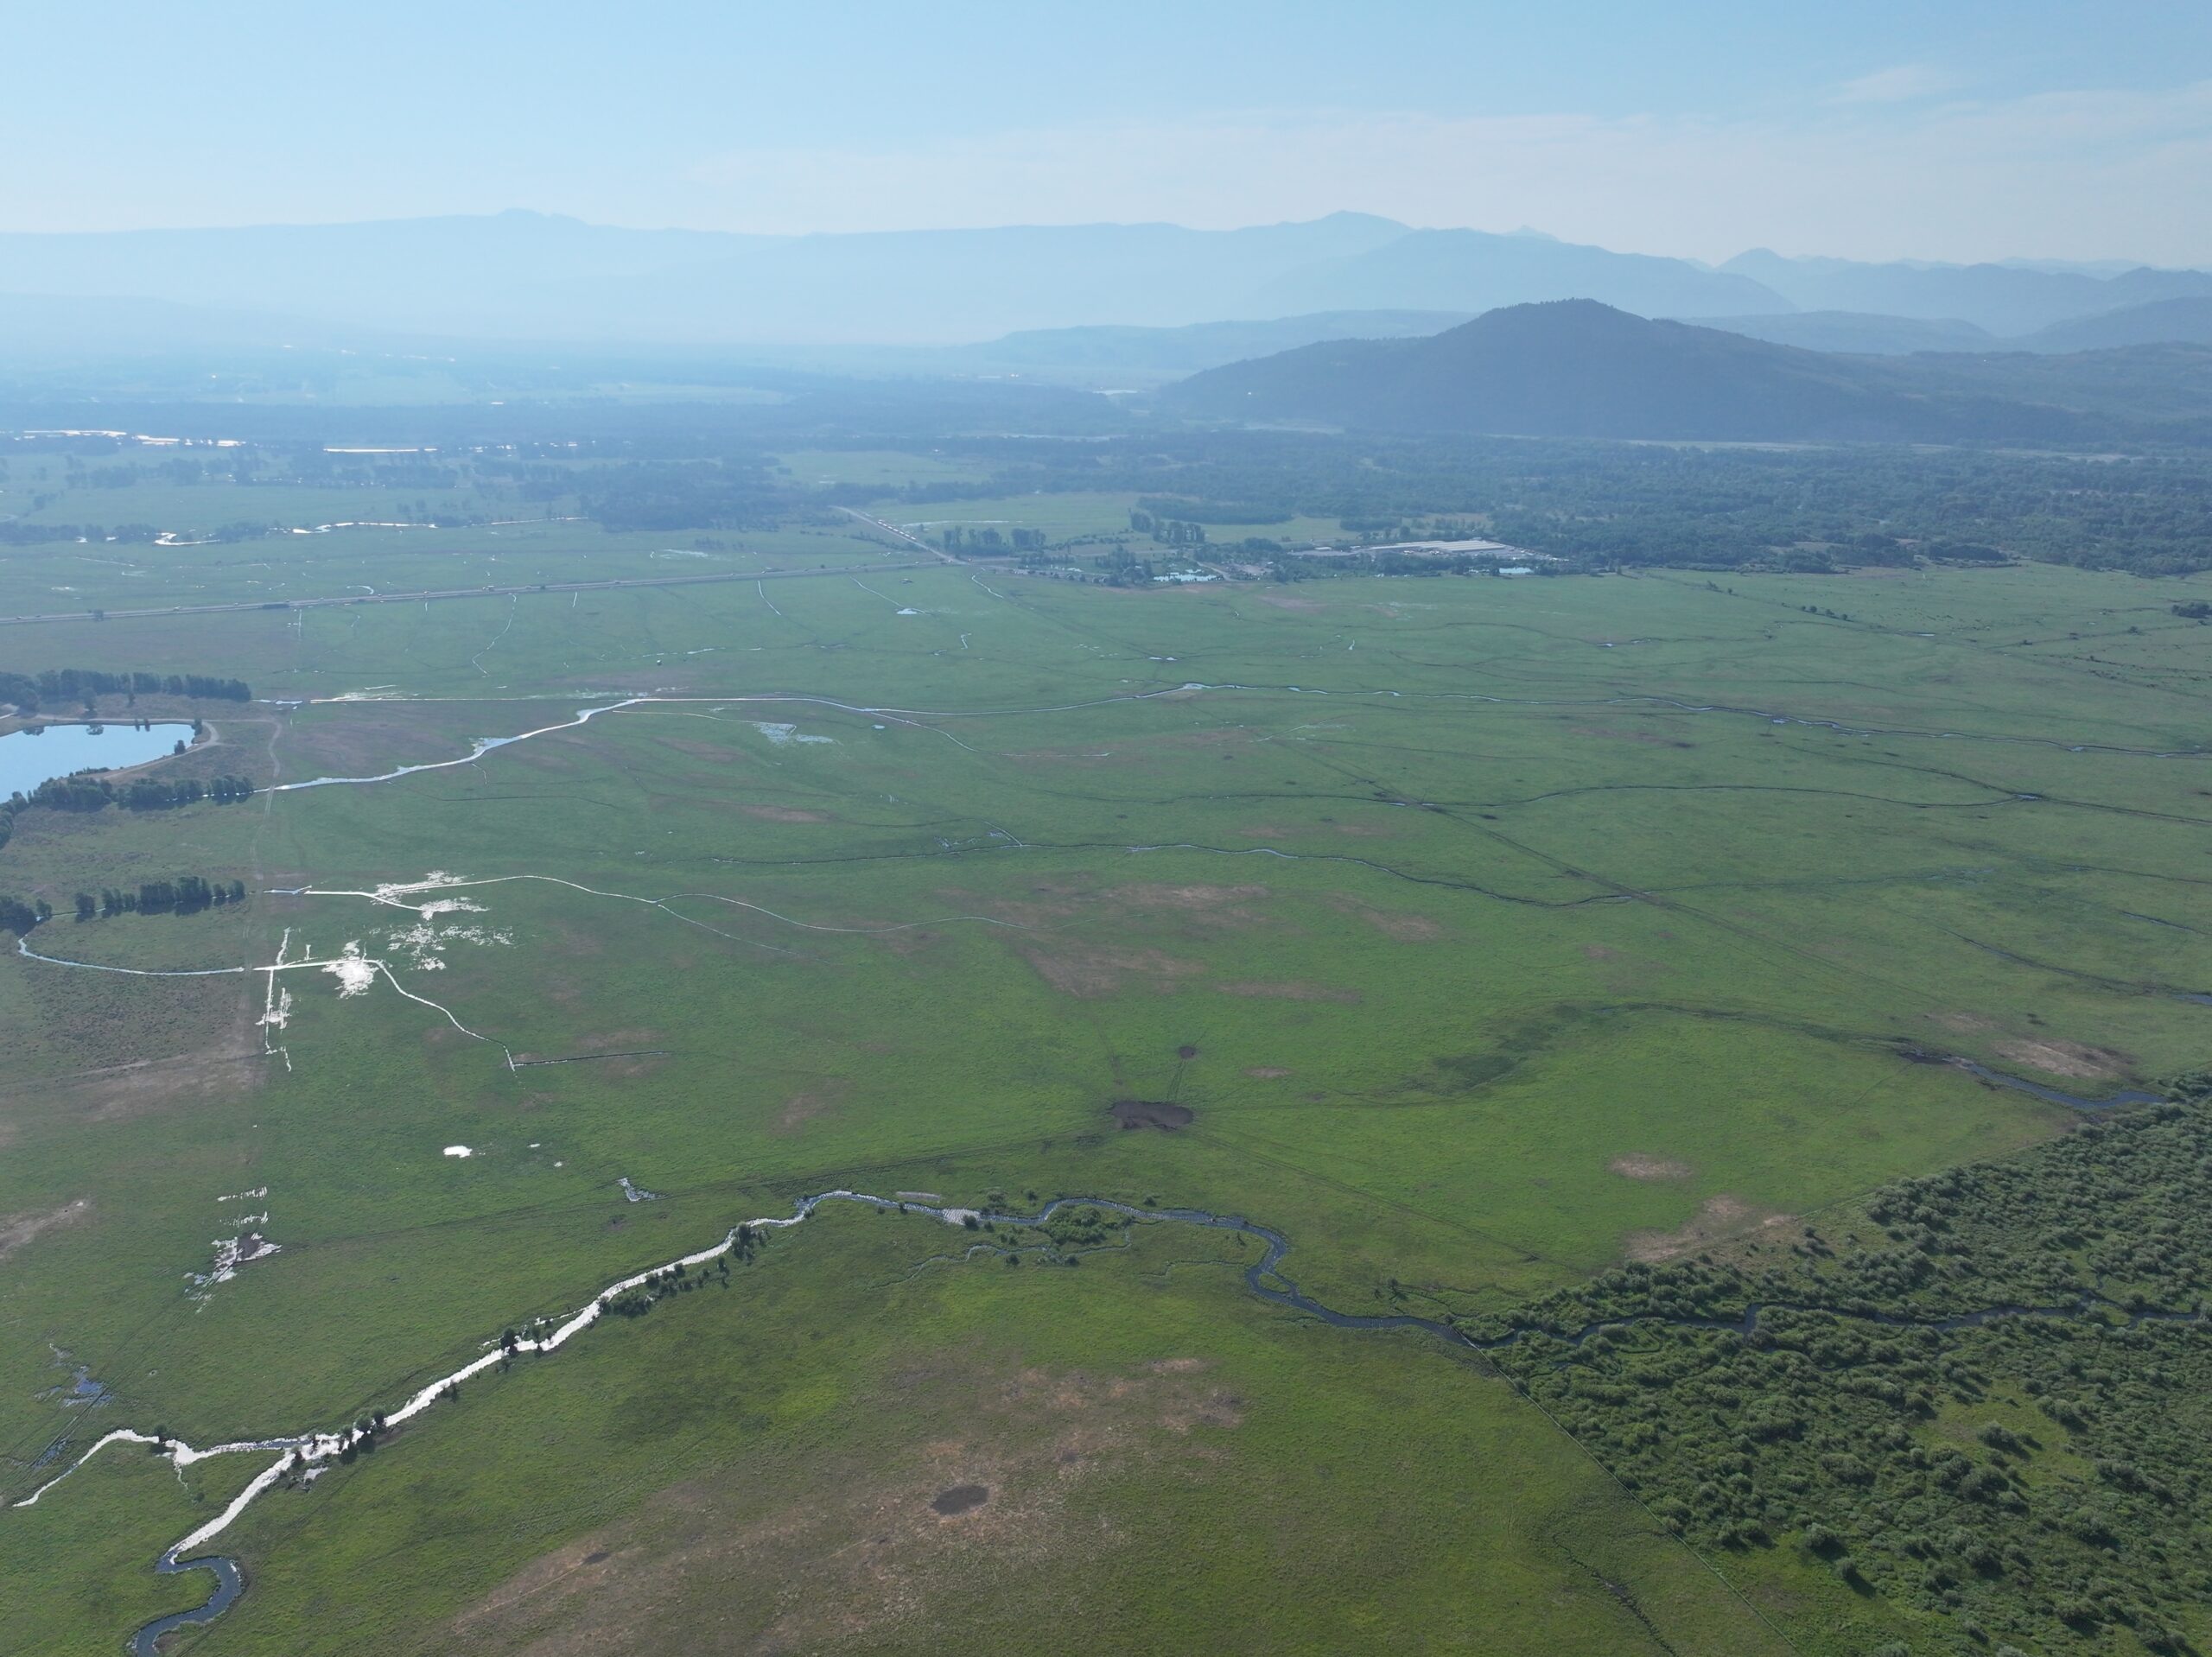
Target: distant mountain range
point(2005, 299)
point(2159, 321)
point(527, 276)
point(1575, 368)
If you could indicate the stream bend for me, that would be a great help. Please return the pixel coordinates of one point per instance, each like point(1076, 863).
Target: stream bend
point(1264, 1277)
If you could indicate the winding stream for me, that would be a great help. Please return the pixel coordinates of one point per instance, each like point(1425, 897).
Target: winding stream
point(1264, 1277)
point(310, 1451)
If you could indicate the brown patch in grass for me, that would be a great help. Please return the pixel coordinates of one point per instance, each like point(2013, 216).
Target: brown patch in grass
point(1151, 1112)
point(639, 1047)
point(1390, 923)
point(817, 1099)
point(17, 1229)
point(783, 813)
point(1269, 1072)
point(884, 1530)
point(727, 753)
point(1964, 1023)
point(122, 1091)
point(1638, 1166)
point(1295, 990)
point(1203, 899)
point(1649, 738)
point(1281, 601)
point(1719, 1216)
point(2067, 1058)
point(1087, 971)
point(365, 738)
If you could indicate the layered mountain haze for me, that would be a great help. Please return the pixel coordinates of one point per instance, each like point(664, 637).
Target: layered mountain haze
point(1860, 332)
point(2161, 321)
point(1575, 368)
point(2005, 299)
point(1472, 270)
point(529, 277)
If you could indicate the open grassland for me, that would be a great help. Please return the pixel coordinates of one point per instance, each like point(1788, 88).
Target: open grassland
point(1477, 935)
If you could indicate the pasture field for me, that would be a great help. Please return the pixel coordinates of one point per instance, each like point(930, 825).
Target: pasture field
point(1476, 934)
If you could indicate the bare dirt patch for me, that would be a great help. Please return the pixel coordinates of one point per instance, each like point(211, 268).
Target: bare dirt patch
point(17, 1229)
point(1269, 1072)
point(1151, 1112)
point(1638, 1166)
point(1295, 990)
point(783, 813)
point(2067, 1058)
point(1721, 1216)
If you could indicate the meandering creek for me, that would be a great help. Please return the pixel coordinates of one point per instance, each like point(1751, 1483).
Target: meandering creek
point(310, 1451)
point(27, 760)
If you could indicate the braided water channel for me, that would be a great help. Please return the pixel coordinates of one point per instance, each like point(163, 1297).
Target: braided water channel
point(1263, 1278)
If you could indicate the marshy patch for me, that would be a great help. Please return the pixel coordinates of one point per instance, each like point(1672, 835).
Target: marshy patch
point(960, 1499)
point(1161, 1114)
point(1187, 1051)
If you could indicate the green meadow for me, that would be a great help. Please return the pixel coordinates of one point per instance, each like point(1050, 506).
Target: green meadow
point(1482, 933)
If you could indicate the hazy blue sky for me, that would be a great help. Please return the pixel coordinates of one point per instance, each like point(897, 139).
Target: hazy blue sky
point(1951, 129)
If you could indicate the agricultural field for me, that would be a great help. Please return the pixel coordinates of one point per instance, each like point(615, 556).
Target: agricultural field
point(1547, 930)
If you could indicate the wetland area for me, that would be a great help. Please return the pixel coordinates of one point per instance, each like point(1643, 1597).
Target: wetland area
point(1489, 940)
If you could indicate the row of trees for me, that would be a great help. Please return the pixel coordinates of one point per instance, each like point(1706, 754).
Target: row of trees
point(1170, 531)
point(87, 792)
point(184, 894)
point(73, 686)
point(958, 537)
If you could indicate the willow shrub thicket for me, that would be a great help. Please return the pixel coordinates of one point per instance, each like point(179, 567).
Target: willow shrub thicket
point(1972, 1397)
